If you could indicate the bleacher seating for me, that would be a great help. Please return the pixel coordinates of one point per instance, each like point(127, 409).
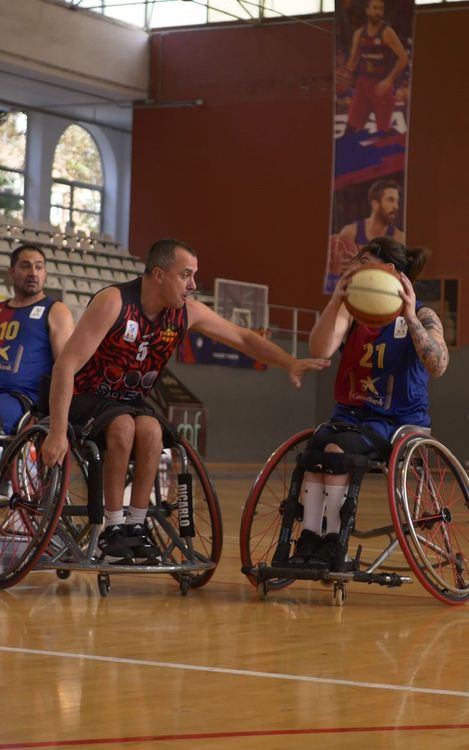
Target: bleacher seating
point(78, 265)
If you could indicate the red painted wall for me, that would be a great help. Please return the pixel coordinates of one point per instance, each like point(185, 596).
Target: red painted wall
point(245, 177)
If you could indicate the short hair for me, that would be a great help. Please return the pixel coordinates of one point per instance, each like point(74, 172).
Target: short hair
point(375, 193)
point(162, 254)
point(410, 261)
point(25, 246)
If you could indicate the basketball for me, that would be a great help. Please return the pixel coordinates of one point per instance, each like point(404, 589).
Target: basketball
point(372, 296)
point(342, 252)
point(343, 80)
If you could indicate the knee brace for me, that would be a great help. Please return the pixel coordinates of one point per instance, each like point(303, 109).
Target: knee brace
point(318, 461)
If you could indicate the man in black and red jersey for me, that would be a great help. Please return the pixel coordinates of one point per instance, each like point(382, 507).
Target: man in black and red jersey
point(119, 348)
point(377, 57)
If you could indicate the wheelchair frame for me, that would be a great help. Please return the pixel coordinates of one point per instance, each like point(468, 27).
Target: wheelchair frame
point(428, 495)
point(45, 523)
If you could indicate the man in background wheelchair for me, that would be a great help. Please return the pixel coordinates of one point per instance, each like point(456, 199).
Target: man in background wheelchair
point(119, 348)
point(381, 384)
point(33, 331)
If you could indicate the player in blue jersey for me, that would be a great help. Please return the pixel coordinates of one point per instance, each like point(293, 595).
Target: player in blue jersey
point(33, 330)
point(383, 200)
point(381, 383)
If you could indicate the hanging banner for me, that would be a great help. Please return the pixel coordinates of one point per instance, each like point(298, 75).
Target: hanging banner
point(373, 56)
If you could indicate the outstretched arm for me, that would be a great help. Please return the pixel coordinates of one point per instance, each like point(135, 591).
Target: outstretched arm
point(207, 322)
point(426, 331)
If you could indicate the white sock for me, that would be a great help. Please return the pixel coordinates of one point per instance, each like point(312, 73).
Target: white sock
point(136, 515)
point(313, 503)
point(335, 498)
point(113, 517)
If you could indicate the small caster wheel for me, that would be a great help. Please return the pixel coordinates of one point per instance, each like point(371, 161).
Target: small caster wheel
point(63, 574)
point(104, 583)
point(184, 585)
point(339, 594)
point(262, 590)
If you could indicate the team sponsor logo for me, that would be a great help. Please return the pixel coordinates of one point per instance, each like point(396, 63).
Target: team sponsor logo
point(369, 385)
point(131, 331)
point(169, 334)
point(37, 312)
point(400, 327)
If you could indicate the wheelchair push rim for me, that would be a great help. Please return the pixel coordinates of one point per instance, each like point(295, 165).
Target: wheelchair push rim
point(31, 501)
point(429, 503)
point(206, 545)
point(262, 515)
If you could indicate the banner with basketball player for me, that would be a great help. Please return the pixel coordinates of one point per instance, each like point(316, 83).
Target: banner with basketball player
point(373, 56)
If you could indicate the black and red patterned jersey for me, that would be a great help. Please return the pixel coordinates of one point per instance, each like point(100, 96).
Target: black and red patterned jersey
point(135, 350)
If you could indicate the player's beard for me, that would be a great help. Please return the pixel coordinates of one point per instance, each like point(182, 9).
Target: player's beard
point(387, 217)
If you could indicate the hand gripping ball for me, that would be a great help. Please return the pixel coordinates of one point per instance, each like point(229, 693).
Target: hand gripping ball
point(372, 295)
point(343, 79)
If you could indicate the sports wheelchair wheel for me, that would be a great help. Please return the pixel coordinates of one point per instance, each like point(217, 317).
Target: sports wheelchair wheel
point(428, 493)
point(163, 519)
point(262, 515)
point(31, 500)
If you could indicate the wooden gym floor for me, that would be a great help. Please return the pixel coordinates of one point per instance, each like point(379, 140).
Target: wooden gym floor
point(148, 668)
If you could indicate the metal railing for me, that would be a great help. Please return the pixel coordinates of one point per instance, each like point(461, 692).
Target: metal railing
point(292, 324)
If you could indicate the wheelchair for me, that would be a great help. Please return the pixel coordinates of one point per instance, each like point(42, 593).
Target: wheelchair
point(50, 519)
point(428, 497)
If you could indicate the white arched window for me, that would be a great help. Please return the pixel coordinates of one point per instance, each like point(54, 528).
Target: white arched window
point(77, 182)
point(13, 126)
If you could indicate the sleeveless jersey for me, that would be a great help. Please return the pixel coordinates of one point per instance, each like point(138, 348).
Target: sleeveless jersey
point(25, 351)
point(380, 371)
point(361, 239)
point(135, 350)
point(376, 58)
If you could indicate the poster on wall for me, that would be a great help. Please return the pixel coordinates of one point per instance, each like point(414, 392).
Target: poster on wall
point(373, 58)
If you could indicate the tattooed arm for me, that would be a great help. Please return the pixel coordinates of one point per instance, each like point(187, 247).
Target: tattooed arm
point(426, 331)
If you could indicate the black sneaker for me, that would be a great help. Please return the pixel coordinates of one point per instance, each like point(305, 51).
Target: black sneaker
point(325, 552)
point(114, 544)
point(305, 547)
point(142, 547)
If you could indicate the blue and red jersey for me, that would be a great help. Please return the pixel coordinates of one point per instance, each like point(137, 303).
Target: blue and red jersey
point(25, 350)
point(376, 57)
point(135, 350)
point(380, 372)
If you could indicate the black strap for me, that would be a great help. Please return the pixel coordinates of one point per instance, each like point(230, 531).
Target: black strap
point(382, 445)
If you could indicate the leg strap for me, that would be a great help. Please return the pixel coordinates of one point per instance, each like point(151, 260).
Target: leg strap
point(292, 511)
point(348, 514)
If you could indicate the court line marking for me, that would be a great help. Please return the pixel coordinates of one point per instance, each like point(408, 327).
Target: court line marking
point(226, 735)
point(238, 672)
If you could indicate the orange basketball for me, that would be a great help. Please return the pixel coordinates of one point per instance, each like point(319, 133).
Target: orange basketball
point(343, 79)
point(372, 295)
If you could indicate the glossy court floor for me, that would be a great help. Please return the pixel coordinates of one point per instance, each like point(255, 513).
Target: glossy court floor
point(148, 668)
